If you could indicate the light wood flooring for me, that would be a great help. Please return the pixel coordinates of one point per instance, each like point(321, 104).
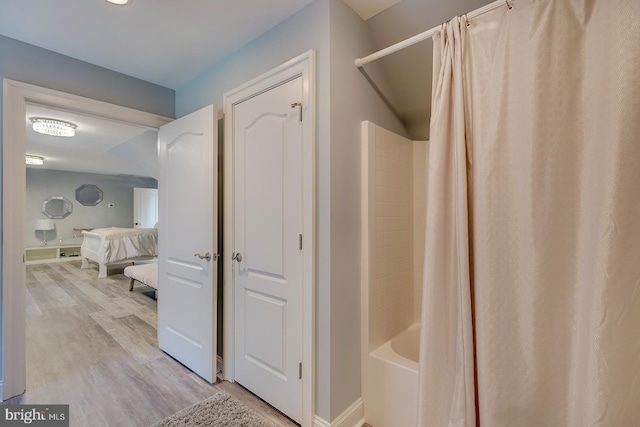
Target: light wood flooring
point(92, 344)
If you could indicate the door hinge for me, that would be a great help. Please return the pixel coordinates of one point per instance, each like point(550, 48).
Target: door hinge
point(298, 104)
point(300, 242)
point(300, 371)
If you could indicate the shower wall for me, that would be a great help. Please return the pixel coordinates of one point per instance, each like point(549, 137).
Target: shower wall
point(420, 162)
point(394, 168)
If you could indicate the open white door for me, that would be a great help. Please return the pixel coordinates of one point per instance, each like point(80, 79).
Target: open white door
point(145, 207)
point(268, 226)
point(187, 241)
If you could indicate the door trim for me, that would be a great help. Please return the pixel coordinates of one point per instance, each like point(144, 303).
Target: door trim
point(16, 95)
point(301, 66)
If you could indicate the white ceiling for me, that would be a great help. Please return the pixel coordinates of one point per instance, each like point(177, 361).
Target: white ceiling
point(99, 146)
point(166, 42)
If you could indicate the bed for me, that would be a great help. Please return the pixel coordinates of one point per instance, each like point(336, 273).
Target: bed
point(116, 245)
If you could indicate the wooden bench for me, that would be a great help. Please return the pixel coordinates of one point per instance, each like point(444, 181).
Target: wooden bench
point(147, 274)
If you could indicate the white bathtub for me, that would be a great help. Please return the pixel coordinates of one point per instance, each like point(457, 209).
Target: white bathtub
point(391, 386)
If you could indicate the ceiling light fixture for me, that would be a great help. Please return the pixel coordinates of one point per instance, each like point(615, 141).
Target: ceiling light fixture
point(119, 2)
point(34, 160)
point(53, 127)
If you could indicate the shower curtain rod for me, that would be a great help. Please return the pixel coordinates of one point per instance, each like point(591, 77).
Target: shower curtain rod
point(361, 62)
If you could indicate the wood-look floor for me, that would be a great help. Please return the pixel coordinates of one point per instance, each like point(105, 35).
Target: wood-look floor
point(92, 344)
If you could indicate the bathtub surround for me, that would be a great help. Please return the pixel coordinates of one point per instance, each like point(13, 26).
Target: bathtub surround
point(391, 397)
point(390, 304)
point(420, 162)
point(393, 211)
point(536, 128)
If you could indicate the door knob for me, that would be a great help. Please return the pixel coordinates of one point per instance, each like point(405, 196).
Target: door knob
point(237, 257)
point(206, 256)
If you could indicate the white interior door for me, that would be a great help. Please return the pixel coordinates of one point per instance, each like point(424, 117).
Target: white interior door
point(145, 207)
point(187, 290)
point(267, 244)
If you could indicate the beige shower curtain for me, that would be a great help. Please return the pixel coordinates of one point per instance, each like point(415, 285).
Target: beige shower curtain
point(531, 310)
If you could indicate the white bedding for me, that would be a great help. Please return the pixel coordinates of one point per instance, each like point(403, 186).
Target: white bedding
point(111, 245)
point(144, 243)
point(114, 233)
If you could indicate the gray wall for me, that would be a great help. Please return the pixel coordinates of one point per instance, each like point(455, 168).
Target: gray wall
point(307, 29)
point(30, 64)
point(42, 183)
point(352, 101)
point(345, 98)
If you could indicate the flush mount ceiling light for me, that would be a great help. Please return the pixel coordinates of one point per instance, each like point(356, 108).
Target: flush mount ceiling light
point(34, 160)
point(53, 127)
point(120, 2)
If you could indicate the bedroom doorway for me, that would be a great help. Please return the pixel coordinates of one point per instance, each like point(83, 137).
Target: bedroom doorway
point(17, 97)
point(96, 175)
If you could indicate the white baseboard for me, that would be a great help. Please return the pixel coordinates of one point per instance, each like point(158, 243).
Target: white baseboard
point(353, 416)
point(319, 422)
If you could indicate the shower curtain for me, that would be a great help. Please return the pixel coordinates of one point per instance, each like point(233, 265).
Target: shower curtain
point(531, 303)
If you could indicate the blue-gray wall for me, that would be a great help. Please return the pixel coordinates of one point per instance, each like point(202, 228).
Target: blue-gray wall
point(353, 100)
point(345, 98)
point(30, 64)
point(116, 189)
point(307, 29)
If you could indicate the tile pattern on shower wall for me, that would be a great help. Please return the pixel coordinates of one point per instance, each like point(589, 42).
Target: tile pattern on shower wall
point(391, 297)
point(420, 161)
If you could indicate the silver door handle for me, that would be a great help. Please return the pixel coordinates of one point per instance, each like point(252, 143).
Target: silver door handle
point(237, 257)
point(206, 256)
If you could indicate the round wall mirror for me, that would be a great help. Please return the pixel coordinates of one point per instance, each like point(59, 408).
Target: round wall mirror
point(88, 195)
point(57, 207)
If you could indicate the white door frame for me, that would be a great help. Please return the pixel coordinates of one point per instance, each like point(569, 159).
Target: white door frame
point(15, 98)
point(302, 66)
